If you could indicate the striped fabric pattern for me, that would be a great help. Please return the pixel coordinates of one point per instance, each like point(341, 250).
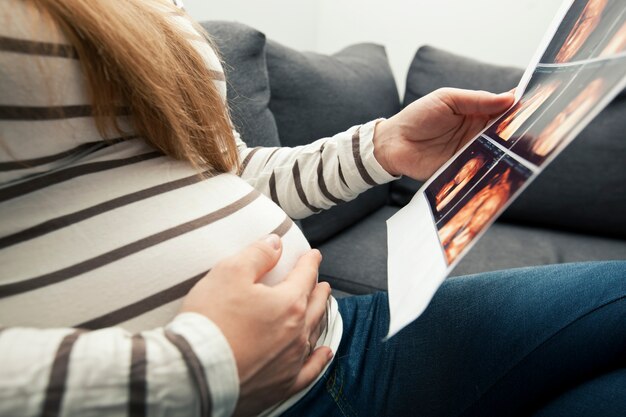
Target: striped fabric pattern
point(101, 238)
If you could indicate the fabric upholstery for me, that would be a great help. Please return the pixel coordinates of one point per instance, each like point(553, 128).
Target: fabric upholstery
point(355, 260)
point(434, 68)
point(315, 95)
point(510, 246)
point(243, 51)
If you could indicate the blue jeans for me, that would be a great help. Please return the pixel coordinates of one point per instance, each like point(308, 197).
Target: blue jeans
point(544, 341)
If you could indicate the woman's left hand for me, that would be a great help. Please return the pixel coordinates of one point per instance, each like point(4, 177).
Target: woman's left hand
point(422, 137)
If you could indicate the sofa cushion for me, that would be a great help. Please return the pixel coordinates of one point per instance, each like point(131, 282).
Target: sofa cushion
point(583, 190)
point(316, 96)
point(506, 246)
point(356, 260)
point(243, 53)
point(433, 68)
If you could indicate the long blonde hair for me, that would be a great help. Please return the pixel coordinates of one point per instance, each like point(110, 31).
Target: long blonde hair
point(134, 58)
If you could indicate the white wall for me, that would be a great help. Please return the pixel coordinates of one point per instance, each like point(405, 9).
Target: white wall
point(497, 31)
point(292, 22)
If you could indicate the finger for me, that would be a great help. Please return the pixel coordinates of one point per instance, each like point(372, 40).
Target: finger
point(476, 102)
point(499, 112)
point(317, 304)
point(312, 368)
point(317, 332)
point(256, 260)
point(303, 276)
point(316, 310)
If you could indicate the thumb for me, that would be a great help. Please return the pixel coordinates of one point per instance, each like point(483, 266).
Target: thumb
point(476, 102)
point(258, 258)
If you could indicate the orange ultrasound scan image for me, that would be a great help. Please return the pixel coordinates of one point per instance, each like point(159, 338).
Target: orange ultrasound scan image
point(584, 27)
point(459, 182)
point(617, 44)
point(524, 109)
point(461, 229)
point(567, 119)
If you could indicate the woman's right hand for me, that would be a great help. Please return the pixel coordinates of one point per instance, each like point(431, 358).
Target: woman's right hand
point(270, 329)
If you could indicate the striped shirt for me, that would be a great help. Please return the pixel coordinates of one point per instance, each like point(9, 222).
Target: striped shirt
point(100, 240)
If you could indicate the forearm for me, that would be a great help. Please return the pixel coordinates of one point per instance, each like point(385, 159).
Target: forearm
point(177, 370)
point(306, 179)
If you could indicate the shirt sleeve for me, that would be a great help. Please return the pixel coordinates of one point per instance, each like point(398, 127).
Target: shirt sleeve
point(307, 179)
point(184, 369)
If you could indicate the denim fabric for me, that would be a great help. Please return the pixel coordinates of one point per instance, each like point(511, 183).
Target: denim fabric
point(546, 340)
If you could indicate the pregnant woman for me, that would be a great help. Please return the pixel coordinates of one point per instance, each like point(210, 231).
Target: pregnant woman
point(150, 266)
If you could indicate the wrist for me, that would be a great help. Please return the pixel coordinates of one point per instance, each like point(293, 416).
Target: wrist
point(384, 134)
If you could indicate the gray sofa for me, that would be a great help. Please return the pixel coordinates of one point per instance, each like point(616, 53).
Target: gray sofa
point(575, 211)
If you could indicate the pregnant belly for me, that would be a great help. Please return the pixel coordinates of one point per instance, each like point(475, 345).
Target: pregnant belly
point(131, 266)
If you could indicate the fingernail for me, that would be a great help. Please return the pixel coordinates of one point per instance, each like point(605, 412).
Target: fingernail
point(329, 355)
point(273, 240)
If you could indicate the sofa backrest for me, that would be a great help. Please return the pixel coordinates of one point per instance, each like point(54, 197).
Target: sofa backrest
point(242, 49)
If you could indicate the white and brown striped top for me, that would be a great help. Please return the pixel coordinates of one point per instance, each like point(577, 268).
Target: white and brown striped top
point(100, 240)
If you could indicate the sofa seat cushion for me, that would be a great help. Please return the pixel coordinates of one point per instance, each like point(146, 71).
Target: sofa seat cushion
point(583, 190)
point(356, 260)
point(242, 49)
point(511, 246)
